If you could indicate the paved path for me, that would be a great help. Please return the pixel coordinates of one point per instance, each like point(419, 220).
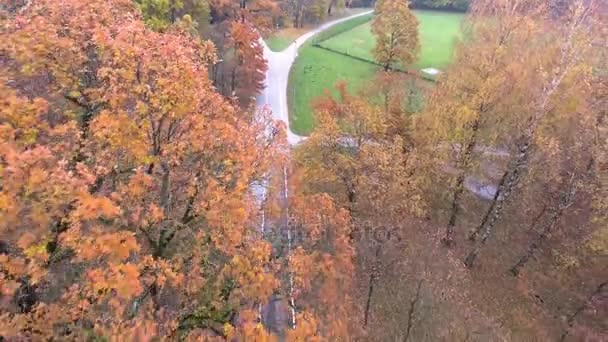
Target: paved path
point(279, 64)
point(278, 314)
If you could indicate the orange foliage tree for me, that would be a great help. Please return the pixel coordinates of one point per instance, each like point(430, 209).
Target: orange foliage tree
point(248, 64)
point(352, 135)
point(396, 31)
point(241, 70)
point(316, 256)
point(124, 180)
point(322, 263)
point(355, 157)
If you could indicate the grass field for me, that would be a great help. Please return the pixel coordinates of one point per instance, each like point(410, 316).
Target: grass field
point(438, 33)
point(316, 69)
point(281, 39)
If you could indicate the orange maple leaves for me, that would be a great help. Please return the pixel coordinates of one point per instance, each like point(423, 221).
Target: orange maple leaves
point(250, 66)
point(119, 161)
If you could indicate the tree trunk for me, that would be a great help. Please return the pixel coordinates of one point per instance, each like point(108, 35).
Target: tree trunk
point(448, 239)
point(504, 191)
point(567, 199)
point(187, 217)
point(412, 311)
point(165, 193)
point(290, 248)
point(509, 180)
point(386, 102)
point(172, 12)
point(167, 231)
point(298, 15)
point(463, 165)
point(572, 318)
point(370, 292)
point(512, 176)
point(233, 81)
point(368, 302)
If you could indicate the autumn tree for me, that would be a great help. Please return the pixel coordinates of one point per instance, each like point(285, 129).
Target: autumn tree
point(550, 231)
point(241, 68)
point(396, 31)
point(400, 98)
point(477, 124)
point(479, 93)
point(126, 211)
point(354, 157)
point(330, 153)
point(321, 262)
point(550, 94)
point(351, 132)
point(248, 63)
point(161, 14)
point(310, 236)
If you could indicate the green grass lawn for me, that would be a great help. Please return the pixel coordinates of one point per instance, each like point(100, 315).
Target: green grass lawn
point(438, 33)
point(281, 39)
point(316, 69)
point(278, 43)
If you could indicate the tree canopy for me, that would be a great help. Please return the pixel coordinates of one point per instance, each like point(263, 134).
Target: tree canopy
point(144, 196)
point(396, 31)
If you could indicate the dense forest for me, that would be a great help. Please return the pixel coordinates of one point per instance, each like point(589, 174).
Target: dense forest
point(144, 195)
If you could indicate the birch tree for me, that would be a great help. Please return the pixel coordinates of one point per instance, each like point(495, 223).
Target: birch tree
point(566, 67)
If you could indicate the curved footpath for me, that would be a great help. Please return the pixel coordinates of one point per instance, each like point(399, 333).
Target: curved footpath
point(277, 76)
point(279, 313)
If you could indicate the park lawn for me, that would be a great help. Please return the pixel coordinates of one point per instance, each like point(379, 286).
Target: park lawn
point(281, 39)
point(438, 34)
point(314, 71)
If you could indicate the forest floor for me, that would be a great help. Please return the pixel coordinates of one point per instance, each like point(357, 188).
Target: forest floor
point(316, 70)
point(422, 289)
